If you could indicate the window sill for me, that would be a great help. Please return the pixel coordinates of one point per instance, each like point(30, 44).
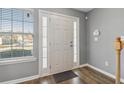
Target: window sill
point(17, 60)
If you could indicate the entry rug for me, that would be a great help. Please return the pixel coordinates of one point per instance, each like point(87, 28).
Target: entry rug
point(64, 76)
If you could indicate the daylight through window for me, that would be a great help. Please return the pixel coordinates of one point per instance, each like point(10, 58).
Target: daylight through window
point(16, 33)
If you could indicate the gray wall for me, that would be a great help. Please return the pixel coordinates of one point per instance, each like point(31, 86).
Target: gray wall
point(110, 22)
point(19, 70)
point(22, 70)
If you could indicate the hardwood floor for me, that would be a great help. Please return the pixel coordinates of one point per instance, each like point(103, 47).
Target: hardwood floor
point(86, 75)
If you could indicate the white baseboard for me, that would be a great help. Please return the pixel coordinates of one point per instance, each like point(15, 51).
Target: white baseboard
point(20, 80)
point(104, 72)
point(83, 65)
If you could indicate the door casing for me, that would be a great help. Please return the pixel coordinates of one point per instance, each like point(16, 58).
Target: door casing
point(42, 12)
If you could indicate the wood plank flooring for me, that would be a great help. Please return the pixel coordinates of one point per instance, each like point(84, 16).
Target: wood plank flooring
point(86, 75)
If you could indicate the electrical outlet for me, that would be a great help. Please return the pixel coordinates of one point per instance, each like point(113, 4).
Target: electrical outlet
point(106, 63)
point(96, 39)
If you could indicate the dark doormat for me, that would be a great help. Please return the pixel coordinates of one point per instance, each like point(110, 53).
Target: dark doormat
point(64, 76)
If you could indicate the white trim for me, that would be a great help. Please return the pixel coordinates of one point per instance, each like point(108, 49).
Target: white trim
point(28, 9)
point(80, 66)
point(78, 42)
point(40, 42)
point(17, 60)
point(20, 80)
point(104, 72)
point(83, 65)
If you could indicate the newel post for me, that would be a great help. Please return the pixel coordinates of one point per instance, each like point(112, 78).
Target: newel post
point(118, 47)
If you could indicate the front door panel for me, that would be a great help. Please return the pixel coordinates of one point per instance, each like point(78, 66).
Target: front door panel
point(61, 43)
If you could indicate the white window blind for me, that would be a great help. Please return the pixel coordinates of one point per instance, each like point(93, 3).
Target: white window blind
point(16, 33)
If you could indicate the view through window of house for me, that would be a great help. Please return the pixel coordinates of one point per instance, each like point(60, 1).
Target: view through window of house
point(16, 33)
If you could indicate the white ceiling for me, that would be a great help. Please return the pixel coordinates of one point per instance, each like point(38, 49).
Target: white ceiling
point(84, 9)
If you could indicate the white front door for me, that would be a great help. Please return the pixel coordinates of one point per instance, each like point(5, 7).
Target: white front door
point(61, 42)
point(57, 43)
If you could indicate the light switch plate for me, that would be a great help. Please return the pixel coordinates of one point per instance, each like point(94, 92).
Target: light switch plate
point(96, 32)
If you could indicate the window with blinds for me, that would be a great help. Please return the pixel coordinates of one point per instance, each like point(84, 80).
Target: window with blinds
point(16, 33)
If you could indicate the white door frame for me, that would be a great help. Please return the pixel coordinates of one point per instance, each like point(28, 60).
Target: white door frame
point(40, 39)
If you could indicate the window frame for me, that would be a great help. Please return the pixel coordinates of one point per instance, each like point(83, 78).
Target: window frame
point(13, 60)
